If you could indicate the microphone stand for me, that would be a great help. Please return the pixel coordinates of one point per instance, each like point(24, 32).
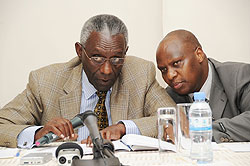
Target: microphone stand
point(103, 156)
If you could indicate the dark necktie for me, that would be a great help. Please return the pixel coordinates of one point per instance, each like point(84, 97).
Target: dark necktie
point(100, 111)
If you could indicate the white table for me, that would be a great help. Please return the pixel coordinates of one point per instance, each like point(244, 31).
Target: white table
point(154, 158)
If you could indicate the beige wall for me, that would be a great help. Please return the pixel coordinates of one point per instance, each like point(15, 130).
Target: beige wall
point(222, 26)
point(35, 33)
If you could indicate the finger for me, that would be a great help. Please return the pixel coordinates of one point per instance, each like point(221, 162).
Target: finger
point(73, 138)
point(171, 133)
point(64, 126)
point(103, 133)
point(84, 141)
point(108, 135)
point(68, 129)
point(58, 124)
point(89, 141)
point(65, 132)
point(56, 131)
point(71, 130)
point(115, 136)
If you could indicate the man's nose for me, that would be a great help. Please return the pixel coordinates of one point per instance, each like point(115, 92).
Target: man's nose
point(106, 68)
point(171, 74)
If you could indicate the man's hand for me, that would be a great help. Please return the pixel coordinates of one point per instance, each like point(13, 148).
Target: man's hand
point(168, 134)
point(59, 126)
point(184, 124)
point(113, 132)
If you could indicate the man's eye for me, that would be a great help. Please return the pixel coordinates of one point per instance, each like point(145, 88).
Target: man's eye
point(164, 70)
point(97, 59)
point(177, 63)
point(115, 60)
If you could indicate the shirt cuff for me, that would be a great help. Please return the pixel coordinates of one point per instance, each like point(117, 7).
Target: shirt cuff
point(26, 138)
point(131, 127)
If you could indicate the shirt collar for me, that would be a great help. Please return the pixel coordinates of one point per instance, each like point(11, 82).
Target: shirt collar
point(207, 85)
point(87, 88)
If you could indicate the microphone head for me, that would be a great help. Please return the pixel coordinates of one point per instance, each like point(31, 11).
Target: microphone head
point(76, 122)
point(86, 114)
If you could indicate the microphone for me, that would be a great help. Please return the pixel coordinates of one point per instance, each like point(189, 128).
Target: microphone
point(77, 122)
point(90, 120)
point(108, 148)
point(101, 146)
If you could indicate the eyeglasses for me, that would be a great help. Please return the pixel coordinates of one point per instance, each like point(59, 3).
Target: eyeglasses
point(100, 60)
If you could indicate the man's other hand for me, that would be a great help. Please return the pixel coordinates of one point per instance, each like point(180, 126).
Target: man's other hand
point(168, 134)
point(113, 132)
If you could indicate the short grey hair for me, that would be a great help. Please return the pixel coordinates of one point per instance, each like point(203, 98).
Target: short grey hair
point(103, 22)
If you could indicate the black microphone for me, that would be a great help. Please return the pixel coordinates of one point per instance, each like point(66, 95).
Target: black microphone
point(77, 122)
point(90, 120)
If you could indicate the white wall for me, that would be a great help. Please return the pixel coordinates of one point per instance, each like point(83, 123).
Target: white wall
point(35, 33)
point(221, 26)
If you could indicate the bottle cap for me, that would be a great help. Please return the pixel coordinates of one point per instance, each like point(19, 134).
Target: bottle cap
point(199, 96)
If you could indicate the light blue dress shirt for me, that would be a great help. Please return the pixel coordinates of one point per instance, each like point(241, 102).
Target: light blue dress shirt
point(88, 102)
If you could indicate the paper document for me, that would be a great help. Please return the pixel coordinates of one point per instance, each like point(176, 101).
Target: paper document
point(238, 147)
point(9, 153)
point(140, 142)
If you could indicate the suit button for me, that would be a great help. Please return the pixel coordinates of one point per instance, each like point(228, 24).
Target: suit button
point(226, 140)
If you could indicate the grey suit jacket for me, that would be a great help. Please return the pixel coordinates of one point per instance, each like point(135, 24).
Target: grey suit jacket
point(55, 91)
point(229, 101)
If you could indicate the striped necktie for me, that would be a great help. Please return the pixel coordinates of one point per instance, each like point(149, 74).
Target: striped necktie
point(100, 111)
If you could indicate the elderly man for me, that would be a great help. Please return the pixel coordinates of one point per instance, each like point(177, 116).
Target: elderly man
point(121, 90)
point(186, 69)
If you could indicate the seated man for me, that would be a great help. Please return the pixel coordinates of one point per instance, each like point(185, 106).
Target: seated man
point(58, 92)
point(186, 69)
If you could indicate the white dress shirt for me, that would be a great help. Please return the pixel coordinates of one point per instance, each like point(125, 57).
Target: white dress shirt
point(206, 87)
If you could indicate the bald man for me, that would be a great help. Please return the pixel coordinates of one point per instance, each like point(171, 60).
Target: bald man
point(186, 69)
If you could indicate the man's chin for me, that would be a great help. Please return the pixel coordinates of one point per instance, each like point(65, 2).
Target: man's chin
point(181, 91)
point(101, 87)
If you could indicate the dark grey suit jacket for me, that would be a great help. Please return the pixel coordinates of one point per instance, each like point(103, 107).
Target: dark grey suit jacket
point(229, 101)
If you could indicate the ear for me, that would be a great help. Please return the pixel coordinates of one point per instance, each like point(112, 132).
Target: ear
point(78, 48)
point(200, 55)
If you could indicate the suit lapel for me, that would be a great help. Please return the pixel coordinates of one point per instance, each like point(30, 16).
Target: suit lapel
point(218, 97)
point(119, 101)
point(71, 101)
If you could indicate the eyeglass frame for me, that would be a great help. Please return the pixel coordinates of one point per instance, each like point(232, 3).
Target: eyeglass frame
point(93, 59)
